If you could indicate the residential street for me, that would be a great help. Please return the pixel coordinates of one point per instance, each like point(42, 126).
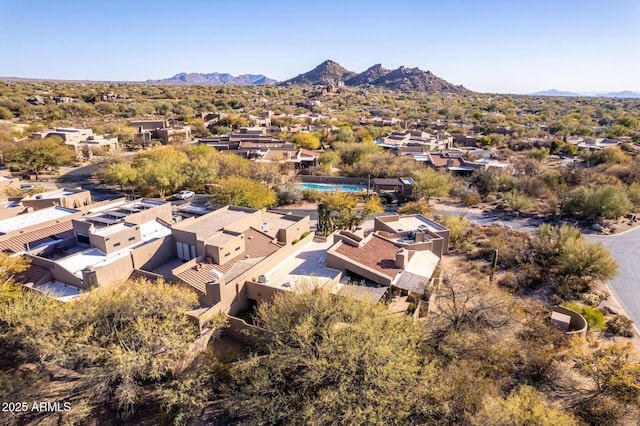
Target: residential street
point(625, 248)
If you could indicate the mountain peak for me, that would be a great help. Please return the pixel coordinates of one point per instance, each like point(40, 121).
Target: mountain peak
point(328, 72)
point(402, 78)
point(369, 76)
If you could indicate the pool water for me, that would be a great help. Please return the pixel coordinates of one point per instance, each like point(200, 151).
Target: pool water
point(330, 187)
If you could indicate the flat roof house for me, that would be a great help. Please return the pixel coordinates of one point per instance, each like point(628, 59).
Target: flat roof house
point(218, 253)
point(88, 247)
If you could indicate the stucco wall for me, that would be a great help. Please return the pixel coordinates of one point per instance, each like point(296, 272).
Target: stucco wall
point(223, 252)
point(119, 270)
point(295, 231)
point(154, 253)
point(73, 201)
point(115, 241)
point(577, 325)
point(162, 211)
point(260, 292)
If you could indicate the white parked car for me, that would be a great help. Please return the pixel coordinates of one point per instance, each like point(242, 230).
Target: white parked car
point(183, 195)
point(27, 187)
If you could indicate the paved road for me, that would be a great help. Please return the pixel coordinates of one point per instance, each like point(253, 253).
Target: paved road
point(625, 249)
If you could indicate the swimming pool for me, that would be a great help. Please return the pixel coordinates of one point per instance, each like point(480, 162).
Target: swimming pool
point(330, 187)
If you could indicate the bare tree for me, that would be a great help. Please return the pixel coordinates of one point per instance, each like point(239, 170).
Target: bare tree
point(476, 303)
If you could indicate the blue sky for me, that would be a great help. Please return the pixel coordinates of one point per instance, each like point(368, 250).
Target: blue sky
point(489, 46)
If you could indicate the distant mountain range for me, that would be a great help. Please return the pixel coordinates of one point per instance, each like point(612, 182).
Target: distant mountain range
point(405, 79)
point(216, 79)
point(554, 92)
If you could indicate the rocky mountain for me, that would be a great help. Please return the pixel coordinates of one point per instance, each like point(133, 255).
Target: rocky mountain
point(405, 79)
point(414, 79)
point(328, 72)
point(368, 77)
point(216, 79)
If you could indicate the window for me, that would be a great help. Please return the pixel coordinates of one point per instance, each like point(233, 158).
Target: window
point(227, 254)
point(116, 244)
point(82, 238)
point(185, 251)
point(237, 248)
point(132, 238)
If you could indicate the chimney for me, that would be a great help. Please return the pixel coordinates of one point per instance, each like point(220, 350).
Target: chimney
point(402, 258)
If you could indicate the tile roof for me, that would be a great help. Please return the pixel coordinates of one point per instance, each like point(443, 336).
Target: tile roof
point(377, 253)
point(257, 246)
point(198, 276)
point(32, 274)
point(19, 243)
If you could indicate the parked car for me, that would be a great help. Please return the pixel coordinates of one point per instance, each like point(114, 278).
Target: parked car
point(27, 187)
point(183, 195)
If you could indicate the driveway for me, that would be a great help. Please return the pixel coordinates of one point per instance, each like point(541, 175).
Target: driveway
point(625, 249)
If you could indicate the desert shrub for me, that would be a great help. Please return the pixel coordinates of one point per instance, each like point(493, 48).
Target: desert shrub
point(311, 195)
point(470, 199)
point(620, 325)
point(458, 229)
point(289, 195)
point(519, 202)
point(414, 207)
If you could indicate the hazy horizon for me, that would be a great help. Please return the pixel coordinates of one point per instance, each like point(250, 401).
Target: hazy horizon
point(494, 46)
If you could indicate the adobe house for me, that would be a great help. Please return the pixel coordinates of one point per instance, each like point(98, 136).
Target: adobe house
point(220, 253)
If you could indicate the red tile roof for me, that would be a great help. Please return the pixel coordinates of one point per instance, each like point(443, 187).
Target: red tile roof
point(377, 253)
point(18, 243)
point(198, 276)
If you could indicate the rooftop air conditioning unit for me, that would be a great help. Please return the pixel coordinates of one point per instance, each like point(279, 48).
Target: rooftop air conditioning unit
point(262, 279)
point(265, 227)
